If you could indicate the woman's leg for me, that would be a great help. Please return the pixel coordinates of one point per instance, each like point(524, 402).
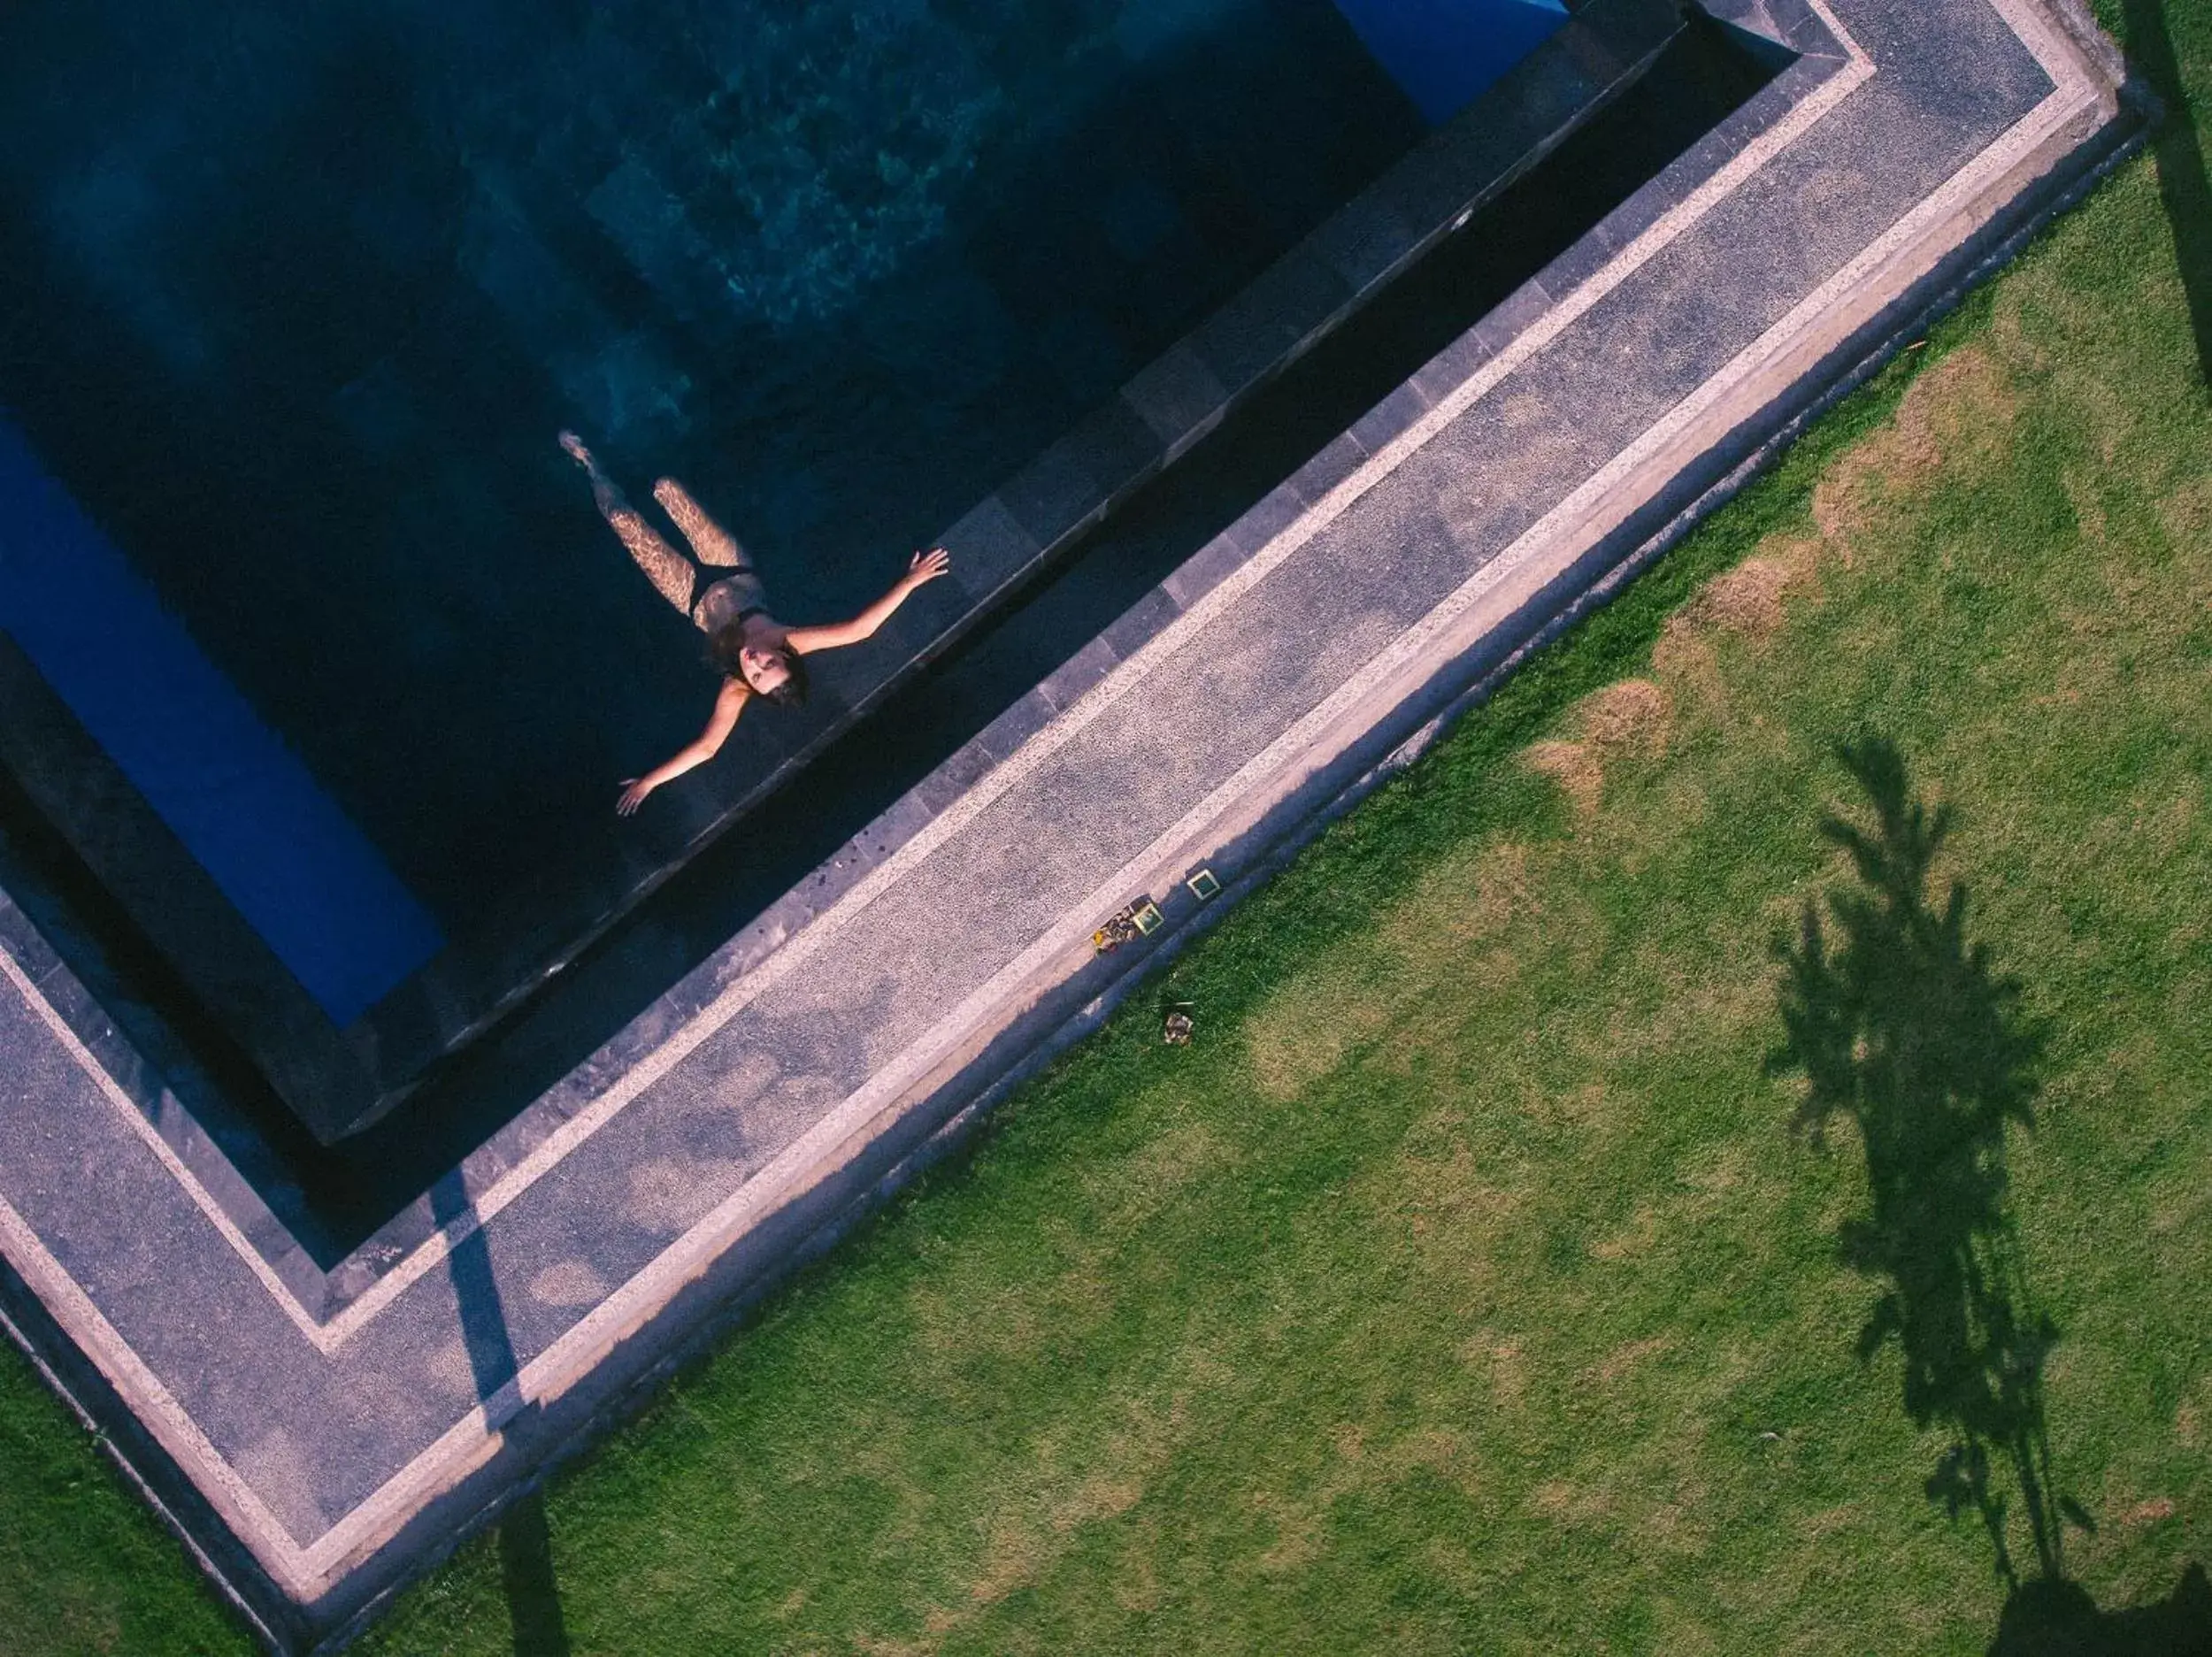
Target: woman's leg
point(670, 573)
point(714, 544)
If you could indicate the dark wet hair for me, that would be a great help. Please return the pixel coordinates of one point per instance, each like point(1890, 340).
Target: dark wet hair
point(725, 654)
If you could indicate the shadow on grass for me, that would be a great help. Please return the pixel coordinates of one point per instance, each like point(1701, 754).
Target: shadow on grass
point(526, 1545)
point(1902, 1027)
point(2183, 188)
point(2057, 1618)
point(526, 1573)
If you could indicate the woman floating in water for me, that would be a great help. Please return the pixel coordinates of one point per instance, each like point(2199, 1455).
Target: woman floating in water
point(756, 654)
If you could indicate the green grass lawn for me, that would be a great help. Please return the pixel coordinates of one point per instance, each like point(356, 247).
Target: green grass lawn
point(1467, 1285)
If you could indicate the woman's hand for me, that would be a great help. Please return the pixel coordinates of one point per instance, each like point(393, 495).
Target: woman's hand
point(927, 566)
point(729, 702)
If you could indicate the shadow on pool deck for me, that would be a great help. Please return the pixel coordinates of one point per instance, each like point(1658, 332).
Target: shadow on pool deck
point(526, 1546)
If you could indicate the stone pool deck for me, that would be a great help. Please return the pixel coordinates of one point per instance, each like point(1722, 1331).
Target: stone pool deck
point(318, 1437)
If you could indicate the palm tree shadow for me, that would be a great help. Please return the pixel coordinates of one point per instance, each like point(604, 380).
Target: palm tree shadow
point(1904, 1029)
point(2183, 188)
point(2058, 1619)
point(1901, 1027)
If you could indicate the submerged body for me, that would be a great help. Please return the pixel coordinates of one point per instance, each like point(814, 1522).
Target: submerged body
point(723, 595)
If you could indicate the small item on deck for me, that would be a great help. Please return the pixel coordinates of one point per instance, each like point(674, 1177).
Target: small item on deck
point(1203, 884)
point(1120, 930)
point(1176, 1028)
point(1133, 921)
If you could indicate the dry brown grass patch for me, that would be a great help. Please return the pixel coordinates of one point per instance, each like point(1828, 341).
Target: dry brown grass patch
point(1576, 771)
point(2191, 1415)
point(1010, 1559)
point(1638, 1236)
point(1696, 1004)
point(1632, 716)
point(959, 1318)
point(934, 1625)
point(1498, 1359)
point(1830, 1521)
point(2184, 1207)
point(1958, 414)
point(1297, 1539)
point(2149, 1512)
point(1565, 1502)
point(1434, 932)
point(2186, 514)
point(1359, 1465)
point(1747, 599)
point(1137, 1588)
point(1440, 1190)
point(1553, 1497)
point(1466, 897)
point(1130, 1191)
point(1631, 1355)
point(1581, 1108)
point(1303, 1030)
point(1023, 1543)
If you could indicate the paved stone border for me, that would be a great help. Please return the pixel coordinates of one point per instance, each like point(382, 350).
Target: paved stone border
point(775, 1093)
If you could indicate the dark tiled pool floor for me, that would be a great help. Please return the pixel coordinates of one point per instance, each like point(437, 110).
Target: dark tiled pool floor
point(319, 293)
point(332, 334)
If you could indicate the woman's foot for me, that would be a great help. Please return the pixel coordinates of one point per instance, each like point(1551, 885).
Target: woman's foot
point(574, 446)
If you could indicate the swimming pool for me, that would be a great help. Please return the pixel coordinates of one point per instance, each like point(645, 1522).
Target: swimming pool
point(295, 303)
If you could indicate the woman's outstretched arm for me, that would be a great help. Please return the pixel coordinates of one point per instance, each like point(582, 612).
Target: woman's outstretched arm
point(927, 566)
point(728, 703)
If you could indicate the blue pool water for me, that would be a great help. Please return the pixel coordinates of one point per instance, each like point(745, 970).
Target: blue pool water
point(300, 873)
point(295, 298)
point(1445, 53)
